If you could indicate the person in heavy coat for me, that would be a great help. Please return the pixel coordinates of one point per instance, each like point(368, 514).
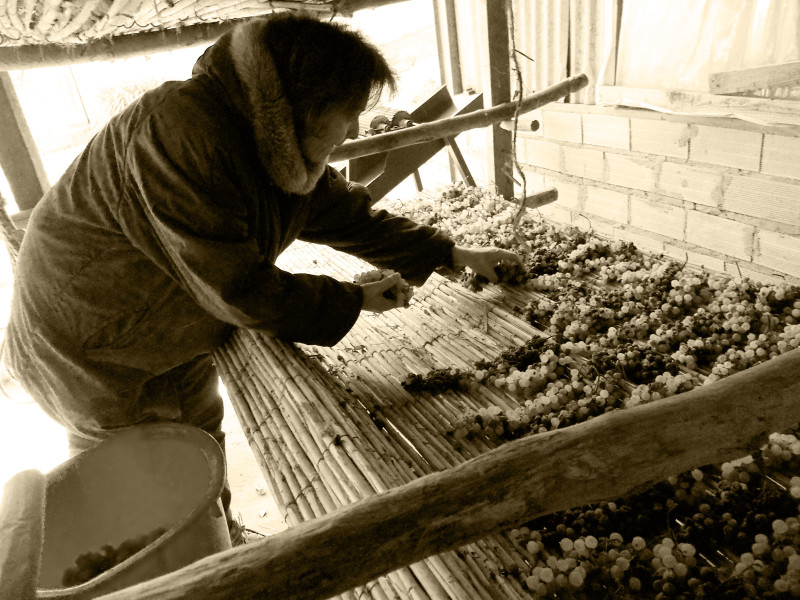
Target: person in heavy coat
point(162, 236)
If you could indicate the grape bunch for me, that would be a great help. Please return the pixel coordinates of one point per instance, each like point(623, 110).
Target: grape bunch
point(506, 272)
point(377, 275)
point(91, 564)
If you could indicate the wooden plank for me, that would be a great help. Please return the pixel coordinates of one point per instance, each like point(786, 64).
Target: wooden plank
point(21, 535)
point(19, 157)
point(756, 78)
point(761, 110)
point(598, 460)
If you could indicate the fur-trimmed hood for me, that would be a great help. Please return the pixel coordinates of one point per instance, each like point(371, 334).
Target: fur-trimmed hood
point(242, 61)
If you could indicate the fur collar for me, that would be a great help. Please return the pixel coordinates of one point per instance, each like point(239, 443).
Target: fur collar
point(271, 113)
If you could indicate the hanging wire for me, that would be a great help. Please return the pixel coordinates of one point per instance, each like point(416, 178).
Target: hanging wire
point(514, 161)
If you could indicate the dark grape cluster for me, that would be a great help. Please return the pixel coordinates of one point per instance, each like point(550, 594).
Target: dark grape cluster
point(91, 564)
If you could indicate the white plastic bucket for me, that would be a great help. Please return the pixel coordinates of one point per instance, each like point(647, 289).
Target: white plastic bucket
point(160, 475)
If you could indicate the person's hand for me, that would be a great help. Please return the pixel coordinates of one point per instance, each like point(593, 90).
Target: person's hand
point(383, 295)
point(482, 261)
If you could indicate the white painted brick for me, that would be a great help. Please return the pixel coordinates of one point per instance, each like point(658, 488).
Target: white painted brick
point(720, 234)
point(583, 162)
point(658, 217)
point(630, 171)
point(541, 153)
point(598, 225)
point(763, 198)
point(607, 203)
point(664, 138)
point(645, 241)
point(558, 214)
point(736, 148)
point(607, 130)
point(692, 184)
point(756, 273)
point(533, 181)
point(779, 251)
point(695, 257)
point(570, 195)
point(781, 156)
point(712, 263)
point(560, 125)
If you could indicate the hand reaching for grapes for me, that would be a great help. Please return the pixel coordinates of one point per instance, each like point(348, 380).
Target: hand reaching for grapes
point(383, 291)
point(483, 261)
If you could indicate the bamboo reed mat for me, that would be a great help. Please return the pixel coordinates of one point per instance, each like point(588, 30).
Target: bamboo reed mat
point(330, 426)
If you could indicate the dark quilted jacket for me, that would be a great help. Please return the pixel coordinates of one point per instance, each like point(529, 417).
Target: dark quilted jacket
point(162, 236)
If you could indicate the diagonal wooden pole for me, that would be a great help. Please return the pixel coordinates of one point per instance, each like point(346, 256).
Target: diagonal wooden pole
point(601, 459)
point(451, 126)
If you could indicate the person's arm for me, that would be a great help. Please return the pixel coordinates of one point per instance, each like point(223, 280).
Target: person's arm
point(483, 260)
point(342, 218)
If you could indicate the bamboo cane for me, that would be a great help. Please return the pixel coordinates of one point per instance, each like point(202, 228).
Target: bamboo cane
point(442, 128)
point(405, 581)
point(282, 431)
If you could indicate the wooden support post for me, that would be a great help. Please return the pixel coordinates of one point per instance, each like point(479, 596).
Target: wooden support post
point(444, 16)
point(19, 157)
point(601, 459)
point(498, 86)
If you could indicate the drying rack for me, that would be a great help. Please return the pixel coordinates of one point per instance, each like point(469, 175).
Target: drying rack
point(382, 498)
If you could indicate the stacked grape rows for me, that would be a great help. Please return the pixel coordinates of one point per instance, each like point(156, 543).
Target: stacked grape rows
point(621, 328)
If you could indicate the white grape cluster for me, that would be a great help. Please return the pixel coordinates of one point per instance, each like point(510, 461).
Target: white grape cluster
point(664, 386)
point(379, 274)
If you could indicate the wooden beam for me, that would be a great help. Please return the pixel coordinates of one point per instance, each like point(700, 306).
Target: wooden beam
point(32, 56)
point(756, 78)
point(19, 157)
point(497, 90)
point(451, 126)
point(601, 459)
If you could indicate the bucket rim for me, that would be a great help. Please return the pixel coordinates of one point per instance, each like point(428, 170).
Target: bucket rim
point(215, 459)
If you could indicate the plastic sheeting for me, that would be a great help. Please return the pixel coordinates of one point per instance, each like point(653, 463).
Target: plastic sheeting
point(676, 45)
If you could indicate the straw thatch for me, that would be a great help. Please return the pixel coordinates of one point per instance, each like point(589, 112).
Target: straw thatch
point(45, 32)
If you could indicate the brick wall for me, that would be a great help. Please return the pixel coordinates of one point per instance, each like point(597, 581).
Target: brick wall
point(721, 193)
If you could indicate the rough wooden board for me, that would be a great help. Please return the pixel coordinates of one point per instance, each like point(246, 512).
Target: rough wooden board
point(756, 78)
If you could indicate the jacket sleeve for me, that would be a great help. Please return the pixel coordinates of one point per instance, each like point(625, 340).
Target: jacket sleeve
point(190, 209)
point(342, 218)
